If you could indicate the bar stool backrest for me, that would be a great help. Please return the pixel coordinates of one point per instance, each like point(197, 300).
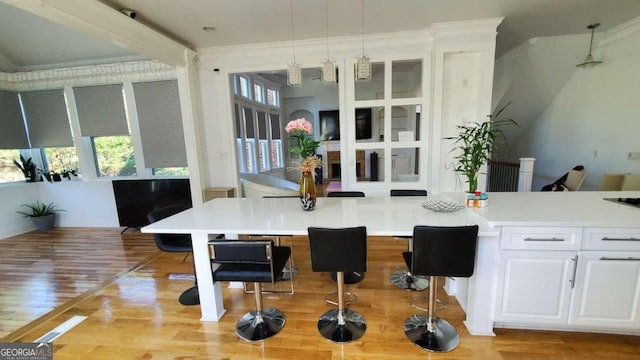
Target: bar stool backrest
point(170, 242)
point(250, 261)
point(343, 249)
point(444, 251)
point(407, 192)
point(345, 194)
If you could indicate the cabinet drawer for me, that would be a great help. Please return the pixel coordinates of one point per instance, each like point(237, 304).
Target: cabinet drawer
point(541, 238)
point(623, 239)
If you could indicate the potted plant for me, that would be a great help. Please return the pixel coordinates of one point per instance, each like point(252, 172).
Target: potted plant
point(475, 142)
point(27, 167)
point(43, 215)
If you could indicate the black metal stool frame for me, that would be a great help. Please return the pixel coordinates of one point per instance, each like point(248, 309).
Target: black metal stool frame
point(257, 262)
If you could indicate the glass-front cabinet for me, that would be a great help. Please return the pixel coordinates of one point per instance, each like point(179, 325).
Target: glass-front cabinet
point(388, 131)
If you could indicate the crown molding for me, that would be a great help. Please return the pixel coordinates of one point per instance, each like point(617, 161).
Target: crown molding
point(137, 71)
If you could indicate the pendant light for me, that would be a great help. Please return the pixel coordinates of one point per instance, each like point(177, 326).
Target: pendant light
point(294, 70)
point(363, 66)
point(328, 75)
point(588, 61)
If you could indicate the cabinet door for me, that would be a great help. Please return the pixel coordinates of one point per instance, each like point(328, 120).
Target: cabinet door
point(607, 291)
point(534, 287)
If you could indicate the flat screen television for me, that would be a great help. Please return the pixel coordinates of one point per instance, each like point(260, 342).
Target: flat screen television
point(136, 198)
point(330, 124)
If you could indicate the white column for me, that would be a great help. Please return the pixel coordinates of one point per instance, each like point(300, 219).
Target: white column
point(525, 177)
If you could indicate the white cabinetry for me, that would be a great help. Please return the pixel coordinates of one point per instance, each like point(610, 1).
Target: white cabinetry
point(607, 292)
point(571, 278)
point(535, 286)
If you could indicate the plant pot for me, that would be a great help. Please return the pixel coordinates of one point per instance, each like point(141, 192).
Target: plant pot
point(44, 223)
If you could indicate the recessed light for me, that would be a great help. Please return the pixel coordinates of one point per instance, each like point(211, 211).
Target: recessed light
point(209, 28)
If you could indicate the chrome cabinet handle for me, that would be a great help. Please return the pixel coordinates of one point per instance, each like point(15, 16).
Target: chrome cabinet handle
point(542, 239)
point(575, 268)
point(620, 239)
point(604, 258)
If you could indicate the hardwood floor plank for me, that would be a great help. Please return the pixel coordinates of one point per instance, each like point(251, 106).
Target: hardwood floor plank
point(44, 272)
point(138, 317)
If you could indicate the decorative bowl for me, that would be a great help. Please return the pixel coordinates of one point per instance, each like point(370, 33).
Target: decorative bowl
point(442, 205)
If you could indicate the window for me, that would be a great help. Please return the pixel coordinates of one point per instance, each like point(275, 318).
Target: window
point(272, 98)
point(62, 160)
point(114, 155)
point(8, 170)
point(171, 171)
point(244, 87)
point(258, 93)
point(258, 141)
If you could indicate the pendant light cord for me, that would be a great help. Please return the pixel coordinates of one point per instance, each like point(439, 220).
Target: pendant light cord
point(326, 4)
point(593, 27)
point(362, 11)
point(293, 35)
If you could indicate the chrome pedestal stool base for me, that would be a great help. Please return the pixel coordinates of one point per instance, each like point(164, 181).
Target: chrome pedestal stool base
point(342, 326)
point(258, 326)
point(190, 296)
point(405, 280)
point(434, 334)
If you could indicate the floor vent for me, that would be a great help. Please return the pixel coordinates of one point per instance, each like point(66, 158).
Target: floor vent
point(60, 329)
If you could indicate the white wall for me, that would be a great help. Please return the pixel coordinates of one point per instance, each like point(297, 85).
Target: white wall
point(86, 204)
point(596, 111)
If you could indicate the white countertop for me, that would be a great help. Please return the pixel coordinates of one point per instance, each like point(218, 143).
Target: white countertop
point(582, 208)
point(383, 216)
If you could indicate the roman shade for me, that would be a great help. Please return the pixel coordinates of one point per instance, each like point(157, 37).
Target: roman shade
point(13, 134)
point(101, 110)
point(46, 116)
point(160, 121)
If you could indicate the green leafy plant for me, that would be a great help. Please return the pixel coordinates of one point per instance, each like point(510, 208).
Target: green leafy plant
point(475, 143)
point(38, 209)
point(27, 167)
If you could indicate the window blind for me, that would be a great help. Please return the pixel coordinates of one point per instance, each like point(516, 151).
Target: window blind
point(46, 116)
point(160, 120)
point(13, 134)
point(101, 110)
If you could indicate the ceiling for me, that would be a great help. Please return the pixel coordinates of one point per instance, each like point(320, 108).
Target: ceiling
point(28, 42)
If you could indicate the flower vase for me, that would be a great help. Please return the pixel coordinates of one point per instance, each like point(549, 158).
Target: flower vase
point(307, 191)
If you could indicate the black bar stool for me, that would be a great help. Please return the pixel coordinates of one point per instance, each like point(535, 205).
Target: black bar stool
point(257, 262)
point(339, 250)
point(439, 251)
point(175, 243)
point(351, 277)
point(404, 279)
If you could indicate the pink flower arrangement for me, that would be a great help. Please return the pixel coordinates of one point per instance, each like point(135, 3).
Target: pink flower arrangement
point(299, 129)
point(301, 124)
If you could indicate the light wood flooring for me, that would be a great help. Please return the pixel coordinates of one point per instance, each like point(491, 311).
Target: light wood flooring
point(138, 317)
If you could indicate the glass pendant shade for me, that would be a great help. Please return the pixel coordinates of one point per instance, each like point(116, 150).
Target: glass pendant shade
point(328, 75)
point(363, 69)
point(294, 75)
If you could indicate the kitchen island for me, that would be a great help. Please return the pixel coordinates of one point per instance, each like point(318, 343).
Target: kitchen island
point(529, 266)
